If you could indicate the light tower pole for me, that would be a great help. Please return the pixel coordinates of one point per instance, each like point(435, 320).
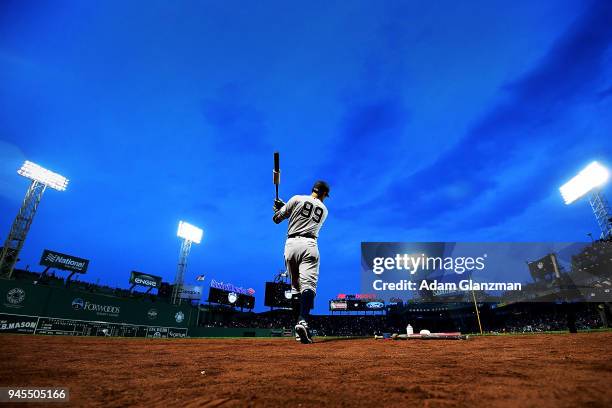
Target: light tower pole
point(590, 180)
point(41, 179)
point(188, 234)
point(601, 209)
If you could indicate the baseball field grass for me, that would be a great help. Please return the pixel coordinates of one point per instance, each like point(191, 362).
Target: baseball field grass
point(547, 370)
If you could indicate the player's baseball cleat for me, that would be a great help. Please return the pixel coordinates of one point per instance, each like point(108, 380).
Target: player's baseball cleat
point(301, 329)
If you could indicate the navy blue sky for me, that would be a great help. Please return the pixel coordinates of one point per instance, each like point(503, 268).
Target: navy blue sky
point(431, 122)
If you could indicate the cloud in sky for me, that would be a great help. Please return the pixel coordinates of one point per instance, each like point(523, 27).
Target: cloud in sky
point(528, 130)
point(238, 126)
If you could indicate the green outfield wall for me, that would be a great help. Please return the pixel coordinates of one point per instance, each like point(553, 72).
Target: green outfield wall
point(24, 298)
point(228, 332)
point(37, 309)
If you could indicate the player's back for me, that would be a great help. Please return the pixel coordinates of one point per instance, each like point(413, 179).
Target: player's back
point(306, 215)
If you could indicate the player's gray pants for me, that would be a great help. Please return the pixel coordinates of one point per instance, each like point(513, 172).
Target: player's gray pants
point(302, 262)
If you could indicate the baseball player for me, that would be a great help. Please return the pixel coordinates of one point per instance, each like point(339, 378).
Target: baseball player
point(306, 214)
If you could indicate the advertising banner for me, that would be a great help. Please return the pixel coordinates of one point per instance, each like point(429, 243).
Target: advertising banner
point(62, 261)
point(356, 305)
point(144, 279)
point(191, 292)
point(22, 299)
point(17, 324)
point(229, 287)
point(335, 305)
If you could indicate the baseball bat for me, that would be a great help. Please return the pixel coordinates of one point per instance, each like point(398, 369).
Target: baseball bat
point(276, 172)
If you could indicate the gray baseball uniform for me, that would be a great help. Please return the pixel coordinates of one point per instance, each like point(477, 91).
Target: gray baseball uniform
point(306, 217)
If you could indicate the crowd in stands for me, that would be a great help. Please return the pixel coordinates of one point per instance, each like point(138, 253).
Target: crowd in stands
point(323, 325)
point(530, 320)
point(586, 319)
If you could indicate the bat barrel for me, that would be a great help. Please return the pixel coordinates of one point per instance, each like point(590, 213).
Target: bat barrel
point(276, 172)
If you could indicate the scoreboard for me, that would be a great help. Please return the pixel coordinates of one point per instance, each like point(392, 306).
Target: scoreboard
point(226, 297)
point(73, 327)
point(278, 294)
point(53, 326)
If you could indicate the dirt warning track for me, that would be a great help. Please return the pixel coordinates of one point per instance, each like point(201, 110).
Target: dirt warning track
point(504, 371)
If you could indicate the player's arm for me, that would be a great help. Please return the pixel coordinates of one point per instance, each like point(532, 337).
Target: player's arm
point(284, 212)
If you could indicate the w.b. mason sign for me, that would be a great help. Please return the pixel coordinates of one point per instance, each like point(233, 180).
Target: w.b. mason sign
point(58, 260)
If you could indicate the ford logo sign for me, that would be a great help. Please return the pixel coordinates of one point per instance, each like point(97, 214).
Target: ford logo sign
point(375, 305)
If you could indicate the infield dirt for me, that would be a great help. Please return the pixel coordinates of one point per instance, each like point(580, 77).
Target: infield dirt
point(504, 371)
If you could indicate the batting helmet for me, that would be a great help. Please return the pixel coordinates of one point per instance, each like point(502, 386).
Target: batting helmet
point(321, 188)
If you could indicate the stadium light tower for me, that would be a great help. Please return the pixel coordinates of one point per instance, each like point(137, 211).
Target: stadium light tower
point(188, 234)
point(590, 180)
point(41, 179)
